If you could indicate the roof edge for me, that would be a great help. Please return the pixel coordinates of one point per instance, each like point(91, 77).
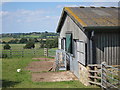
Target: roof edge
point(90, 28)
point(67, 11)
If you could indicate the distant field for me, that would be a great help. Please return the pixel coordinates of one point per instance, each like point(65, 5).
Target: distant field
point(30, 36)
point(20, 46)
point(6, 39)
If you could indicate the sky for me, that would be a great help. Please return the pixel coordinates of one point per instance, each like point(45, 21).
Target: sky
point(25, 17)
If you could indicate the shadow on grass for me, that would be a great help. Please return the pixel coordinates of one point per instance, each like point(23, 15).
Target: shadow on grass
point(7, 83)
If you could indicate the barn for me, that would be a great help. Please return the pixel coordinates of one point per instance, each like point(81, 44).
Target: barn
point(88, 35)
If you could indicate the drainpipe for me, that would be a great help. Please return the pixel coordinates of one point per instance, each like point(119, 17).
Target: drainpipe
point(91, 47)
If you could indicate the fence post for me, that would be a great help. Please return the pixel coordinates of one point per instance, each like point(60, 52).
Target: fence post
point(45, 51)
point(33, 52)
point(95, 74)
point(22, 53)
point(10, 53)
point(103, 76)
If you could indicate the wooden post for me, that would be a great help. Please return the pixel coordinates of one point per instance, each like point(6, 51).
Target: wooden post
point(95, 74)
point(89, 74)
point(103, 76)
point(22, 53)
point(45, 51)
point(33, 52)
point(10, 53)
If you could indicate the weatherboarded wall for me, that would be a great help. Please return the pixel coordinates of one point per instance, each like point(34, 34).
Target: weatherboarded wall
point(106, 47)
point(78, 34)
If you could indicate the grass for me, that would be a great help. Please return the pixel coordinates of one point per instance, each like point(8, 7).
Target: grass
point(13, 79)
point(20, 46)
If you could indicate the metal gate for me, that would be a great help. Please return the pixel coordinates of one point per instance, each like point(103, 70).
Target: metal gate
point(73, 64)
point(110, 76)
point(105, 76)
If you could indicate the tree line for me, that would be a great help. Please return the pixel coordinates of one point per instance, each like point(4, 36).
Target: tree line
point(21, 41)
point(30, 43)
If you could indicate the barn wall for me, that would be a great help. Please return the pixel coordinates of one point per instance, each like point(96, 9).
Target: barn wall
point(78, 69)
point(107, 47)
point(70, 26)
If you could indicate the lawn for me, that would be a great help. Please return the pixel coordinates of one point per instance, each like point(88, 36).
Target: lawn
point(12, 79)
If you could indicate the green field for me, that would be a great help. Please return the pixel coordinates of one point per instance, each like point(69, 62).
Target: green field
point(13, 79)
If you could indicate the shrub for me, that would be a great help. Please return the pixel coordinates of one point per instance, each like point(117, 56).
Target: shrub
point(7, 46)
point(4, 56)
point(4, 42)
point(29, 45)
point(23, 40)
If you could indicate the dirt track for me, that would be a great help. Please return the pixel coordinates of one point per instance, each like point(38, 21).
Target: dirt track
point(53, 76)
point(37, 68)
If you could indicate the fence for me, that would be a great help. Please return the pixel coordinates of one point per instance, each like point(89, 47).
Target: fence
point(25, 53)
point(105, 75)
point(95, 74)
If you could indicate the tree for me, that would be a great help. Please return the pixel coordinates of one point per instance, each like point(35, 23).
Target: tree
point(7, 46)
point(33, 39)
point(4, 42)
point(42, 43)
point(52, 43)
point(23, 40)
point(29, 45)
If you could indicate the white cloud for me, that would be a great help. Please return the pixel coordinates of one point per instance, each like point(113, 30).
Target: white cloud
point(19, 20)
point(3, 13)
point(26, 15)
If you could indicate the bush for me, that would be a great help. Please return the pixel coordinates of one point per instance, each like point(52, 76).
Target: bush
point(23, 40)
point(3, 56)
point(4, 42)
point(29, 45)
point(7, 46)
point(13, 41)
point(52, 43)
